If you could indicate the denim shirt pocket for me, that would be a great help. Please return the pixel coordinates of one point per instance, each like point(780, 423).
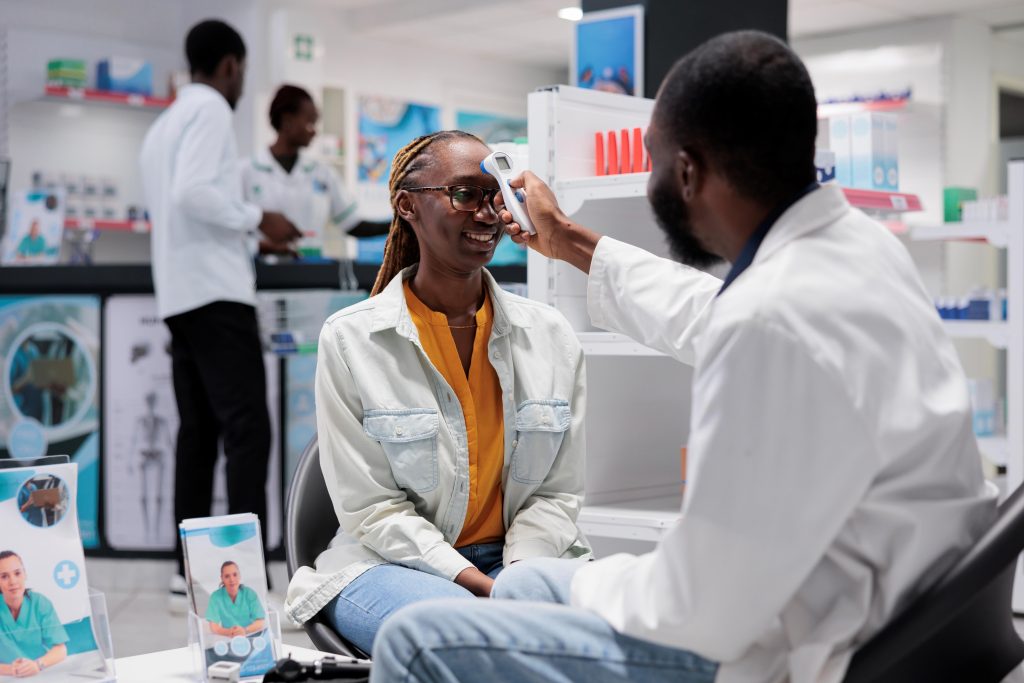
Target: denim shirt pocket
point(409, 440)
point(540, 428)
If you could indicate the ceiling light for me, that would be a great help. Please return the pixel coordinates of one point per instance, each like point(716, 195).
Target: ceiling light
point(570, 13)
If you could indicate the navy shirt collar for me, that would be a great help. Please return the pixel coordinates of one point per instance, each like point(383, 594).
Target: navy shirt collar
point(749, 251)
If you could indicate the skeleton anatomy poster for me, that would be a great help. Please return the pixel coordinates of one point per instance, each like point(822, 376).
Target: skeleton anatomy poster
point(140, 430)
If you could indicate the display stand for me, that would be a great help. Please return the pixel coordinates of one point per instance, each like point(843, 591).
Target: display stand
point(81, 662)
point(249, 651)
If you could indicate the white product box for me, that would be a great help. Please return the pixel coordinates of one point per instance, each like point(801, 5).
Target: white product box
point(868, 150)
point(839, 143)
point(891, 128)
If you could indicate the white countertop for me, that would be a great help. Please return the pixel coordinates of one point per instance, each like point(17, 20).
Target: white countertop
point(169, 666)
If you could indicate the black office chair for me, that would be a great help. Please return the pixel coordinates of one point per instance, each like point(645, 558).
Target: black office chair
point(310, 524)
point(960, 630)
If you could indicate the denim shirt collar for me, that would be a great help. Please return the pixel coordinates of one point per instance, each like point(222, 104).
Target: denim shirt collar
point(391, 311)
point(749, 250)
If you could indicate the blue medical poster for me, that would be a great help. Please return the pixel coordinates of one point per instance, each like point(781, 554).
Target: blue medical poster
point(608, 51)
point(491, 128)
point(49, 398)
point(385, 126)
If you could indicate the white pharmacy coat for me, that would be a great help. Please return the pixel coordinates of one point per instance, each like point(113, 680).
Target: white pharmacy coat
point(310, 196)
point(833, 471)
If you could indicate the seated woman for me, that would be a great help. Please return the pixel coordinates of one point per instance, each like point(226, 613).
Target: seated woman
point(449, 412)
point(31, 636)
point(234, 608)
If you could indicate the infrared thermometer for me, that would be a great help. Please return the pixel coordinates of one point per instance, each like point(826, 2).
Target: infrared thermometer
point(499, 165)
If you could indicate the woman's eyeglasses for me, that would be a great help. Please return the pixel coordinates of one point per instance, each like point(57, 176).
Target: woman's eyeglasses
point(464, 197)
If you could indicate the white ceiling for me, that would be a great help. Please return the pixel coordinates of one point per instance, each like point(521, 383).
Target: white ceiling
point(541, 38)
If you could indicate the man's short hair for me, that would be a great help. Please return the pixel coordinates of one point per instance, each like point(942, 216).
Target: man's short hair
point(208, 43)
point(287, 100)
point(744, 103)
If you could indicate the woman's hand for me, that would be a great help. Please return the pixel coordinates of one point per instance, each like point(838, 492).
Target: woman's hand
point(476, 582)
point(237, 631)
point(23, 668)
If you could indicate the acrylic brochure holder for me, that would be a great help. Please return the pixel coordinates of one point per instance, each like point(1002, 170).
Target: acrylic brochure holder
point(256, 653)
point(88, 648)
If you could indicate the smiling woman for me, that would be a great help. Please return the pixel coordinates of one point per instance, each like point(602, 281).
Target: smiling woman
point(449, 412)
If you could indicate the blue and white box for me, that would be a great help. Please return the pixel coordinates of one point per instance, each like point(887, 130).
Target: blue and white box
point(868, 150)
point(839, 143)
point(825, 165)
point(890, 125)
point(123, 74)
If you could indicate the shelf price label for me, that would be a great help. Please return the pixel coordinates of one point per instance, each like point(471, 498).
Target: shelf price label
point(899, 202)
point(136, 100)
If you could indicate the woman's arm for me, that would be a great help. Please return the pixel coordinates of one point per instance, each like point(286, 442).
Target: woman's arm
point(545, 526)
point(218, 629)
point(369, 504)
point(255, 626)
point(56, 655)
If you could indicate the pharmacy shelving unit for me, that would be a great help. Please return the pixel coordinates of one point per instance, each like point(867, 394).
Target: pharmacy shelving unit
point(637, 398)
point(88, 96)
point(1006, 234)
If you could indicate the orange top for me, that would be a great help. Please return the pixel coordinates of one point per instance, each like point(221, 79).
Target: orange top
point(479, 393)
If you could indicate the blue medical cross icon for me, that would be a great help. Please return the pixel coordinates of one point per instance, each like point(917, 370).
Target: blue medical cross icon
point(66, 574)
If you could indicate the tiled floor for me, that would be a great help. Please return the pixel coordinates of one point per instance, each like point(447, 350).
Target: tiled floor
point(136, 592)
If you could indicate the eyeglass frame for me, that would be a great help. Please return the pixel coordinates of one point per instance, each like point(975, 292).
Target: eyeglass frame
point(447, 189)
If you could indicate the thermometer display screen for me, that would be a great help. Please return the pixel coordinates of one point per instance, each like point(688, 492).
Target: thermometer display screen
point(502, 162)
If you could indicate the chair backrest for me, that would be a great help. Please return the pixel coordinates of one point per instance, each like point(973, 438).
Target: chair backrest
point(310, 523)
point(960, 629)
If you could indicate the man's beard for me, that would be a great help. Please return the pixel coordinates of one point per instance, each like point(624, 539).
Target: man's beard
point(674, 220)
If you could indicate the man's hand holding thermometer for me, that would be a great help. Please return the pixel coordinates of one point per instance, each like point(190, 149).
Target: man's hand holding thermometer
point(552, 234)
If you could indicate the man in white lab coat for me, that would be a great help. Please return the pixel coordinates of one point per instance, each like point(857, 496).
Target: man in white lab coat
point(203, 244)
point(833, 470)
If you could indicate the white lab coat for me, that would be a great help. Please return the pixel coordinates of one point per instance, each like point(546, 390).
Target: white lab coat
point(203, 231)
point(833, 471)
point(310, 196)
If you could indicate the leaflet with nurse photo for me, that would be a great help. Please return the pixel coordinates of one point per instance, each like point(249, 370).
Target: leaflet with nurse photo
point(46, 625)
point(227, 588)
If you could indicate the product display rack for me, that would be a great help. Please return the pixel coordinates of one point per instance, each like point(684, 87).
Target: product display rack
point(1007, 234)
point(106, 225)
point(634, 473)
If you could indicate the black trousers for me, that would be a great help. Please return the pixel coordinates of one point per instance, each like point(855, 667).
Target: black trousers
point(220, 386)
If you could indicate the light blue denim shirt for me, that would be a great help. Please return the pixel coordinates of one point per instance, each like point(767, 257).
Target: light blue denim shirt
point(395, 456)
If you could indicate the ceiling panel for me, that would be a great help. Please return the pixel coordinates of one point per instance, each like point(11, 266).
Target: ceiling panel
point(839, 16)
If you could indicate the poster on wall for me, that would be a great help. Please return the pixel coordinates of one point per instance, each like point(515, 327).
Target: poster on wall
point(385, 126)
point(36, 228)
point(141, 427)
point(608, 51)
point(491, 128)
point(49, 347)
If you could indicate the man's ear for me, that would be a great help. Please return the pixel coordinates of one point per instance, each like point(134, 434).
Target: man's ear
point(689, 174)
point(405, 206)
point(228, 67)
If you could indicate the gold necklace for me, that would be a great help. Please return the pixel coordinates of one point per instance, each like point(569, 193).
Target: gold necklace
point(461, 327)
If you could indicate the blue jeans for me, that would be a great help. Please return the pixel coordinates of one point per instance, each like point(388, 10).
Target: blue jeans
point(499, 641)
point(363, 605)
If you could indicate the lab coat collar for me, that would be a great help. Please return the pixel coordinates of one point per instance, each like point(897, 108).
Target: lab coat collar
point(391, 312)
point(264, 158)
point(814, 211)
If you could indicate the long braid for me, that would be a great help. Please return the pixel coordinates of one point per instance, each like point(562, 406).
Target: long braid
point(401, 249)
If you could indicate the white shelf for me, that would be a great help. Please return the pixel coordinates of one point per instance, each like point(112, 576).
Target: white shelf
point(995, 233)
point(996, 449)
point(611, 344)
point(638, 520)
point(995, 332)
point(573, 193)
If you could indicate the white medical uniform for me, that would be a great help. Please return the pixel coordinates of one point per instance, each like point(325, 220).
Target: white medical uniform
point(310, 196)
point(833, 471)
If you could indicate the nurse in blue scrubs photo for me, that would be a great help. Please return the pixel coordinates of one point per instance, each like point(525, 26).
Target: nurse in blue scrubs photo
point(235, 609)
point(32, 638)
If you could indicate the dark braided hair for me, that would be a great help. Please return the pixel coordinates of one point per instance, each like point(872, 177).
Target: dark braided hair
point(402, 250)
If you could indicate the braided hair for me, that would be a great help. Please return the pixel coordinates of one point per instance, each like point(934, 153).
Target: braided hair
point(401, 249)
